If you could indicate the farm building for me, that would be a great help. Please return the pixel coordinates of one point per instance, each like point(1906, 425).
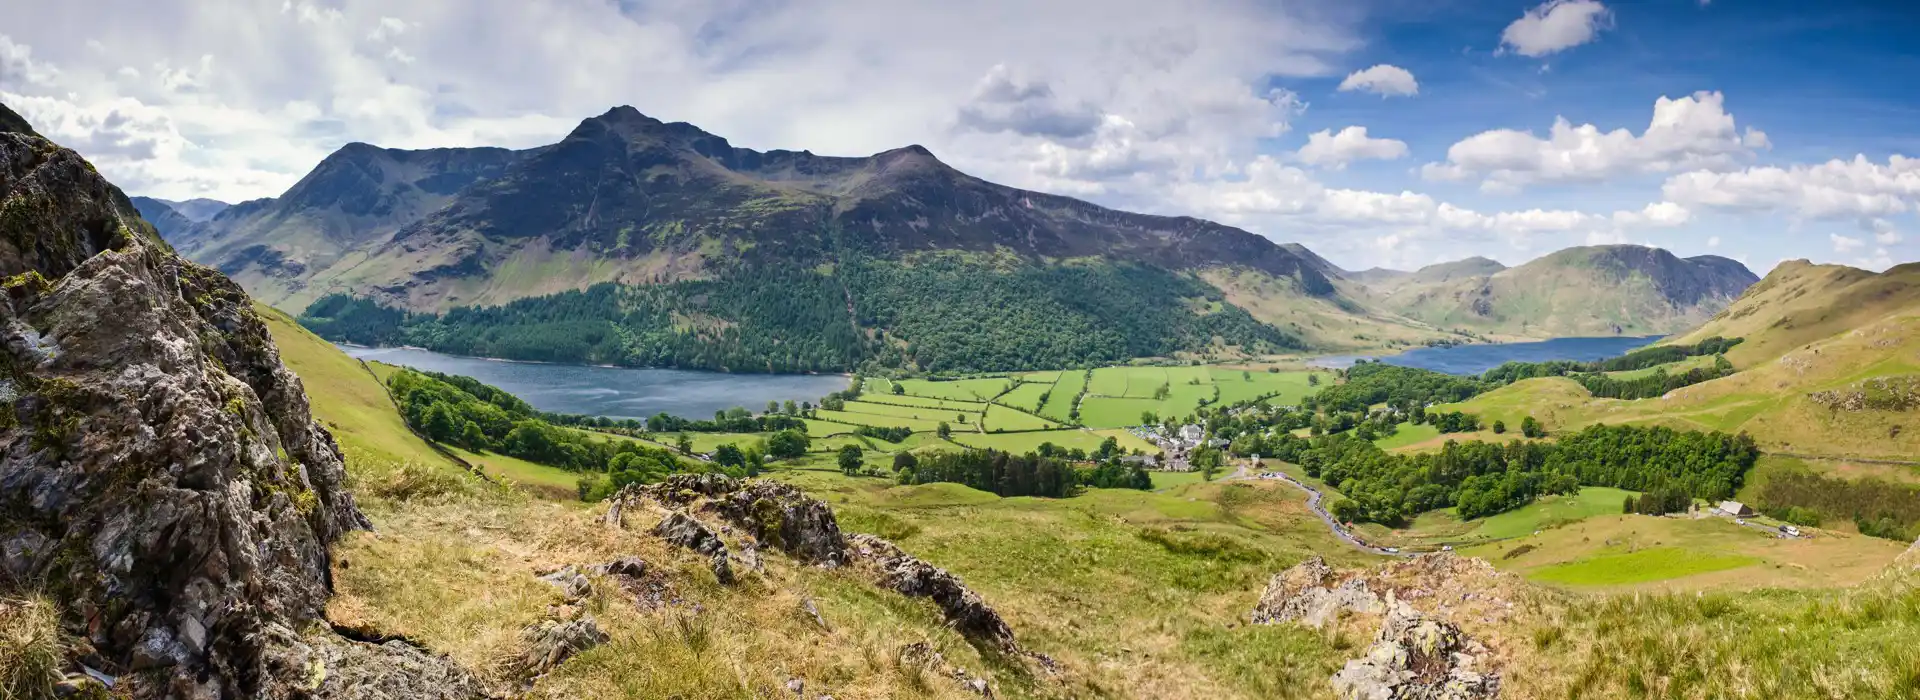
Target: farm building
point(1735, 509)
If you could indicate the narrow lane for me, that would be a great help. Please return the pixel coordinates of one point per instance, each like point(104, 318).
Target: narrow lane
point(1340, 531)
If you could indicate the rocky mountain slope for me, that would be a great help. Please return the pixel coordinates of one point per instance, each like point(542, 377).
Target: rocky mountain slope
point(1594, 290)
point(163, 481)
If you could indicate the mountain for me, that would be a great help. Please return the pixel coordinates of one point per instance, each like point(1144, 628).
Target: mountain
point(660, 244)
point(359, 195)
point(1593, 290)
point(198, 209)
point(1800, 302)
point(173, 226)
point(168, 492)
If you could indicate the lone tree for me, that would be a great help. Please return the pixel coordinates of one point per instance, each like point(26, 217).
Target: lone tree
point(1313, 380)
point(1207, 460)
point(944, 430)
point(684, 444)
point(1532, 428)
point(850, 460)
point(729, 455)
point(905, 462)
point(897, 389)
point(1499, 427)
point(787, 444)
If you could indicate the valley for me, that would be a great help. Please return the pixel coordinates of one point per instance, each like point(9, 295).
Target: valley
point(1033, 459)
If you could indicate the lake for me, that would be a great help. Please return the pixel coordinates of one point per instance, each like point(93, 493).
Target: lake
point(1475, 359)
point(614, 391)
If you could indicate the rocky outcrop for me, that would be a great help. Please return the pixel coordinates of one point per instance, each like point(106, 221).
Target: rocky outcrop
point(1415, 657)
point(778, 514)
point(1303, 594)
point(682, 530)
point(551, 642)
point(1901, 393)
point(161, 476)
point(964, 609)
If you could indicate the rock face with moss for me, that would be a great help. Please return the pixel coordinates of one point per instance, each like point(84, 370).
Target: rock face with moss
point(161, 477)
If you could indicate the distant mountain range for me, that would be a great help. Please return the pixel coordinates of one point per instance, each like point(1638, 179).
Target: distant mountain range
point(659, 243)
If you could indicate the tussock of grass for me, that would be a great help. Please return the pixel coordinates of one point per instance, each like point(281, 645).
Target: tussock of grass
point(31, 649)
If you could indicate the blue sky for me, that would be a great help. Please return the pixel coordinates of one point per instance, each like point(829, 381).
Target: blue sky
point(1207, 108)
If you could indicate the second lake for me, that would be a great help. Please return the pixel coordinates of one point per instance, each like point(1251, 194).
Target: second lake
point(1475, 359)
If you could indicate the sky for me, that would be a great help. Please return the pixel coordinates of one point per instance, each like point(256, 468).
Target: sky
point(1393, 133)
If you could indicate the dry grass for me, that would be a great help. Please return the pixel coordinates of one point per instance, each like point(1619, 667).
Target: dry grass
point(31, 648)
point(461, 578)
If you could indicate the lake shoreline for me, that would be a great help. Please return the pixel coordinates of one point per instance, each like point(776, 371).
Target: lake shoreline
point(357, 346)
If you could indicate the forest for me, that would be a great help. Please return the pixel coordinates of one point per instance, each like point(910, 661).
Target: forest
point(1483, 478)
point(946, 313)
point(1877, 507)
point(1403, 388)
point(1001, 473)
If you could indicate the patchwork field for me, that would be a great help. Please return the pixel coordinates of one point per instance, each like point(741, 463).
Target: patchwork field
point(915, 412)
point(1407, 434)
point(923, 401)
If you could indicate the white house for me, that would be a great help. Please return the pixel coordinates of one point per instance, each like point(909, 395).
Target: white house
point(1735, 509)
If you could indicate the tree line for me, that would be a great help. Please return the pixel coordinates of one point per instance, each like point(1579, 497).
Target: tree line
point(1483, 478)
point(1877, 507)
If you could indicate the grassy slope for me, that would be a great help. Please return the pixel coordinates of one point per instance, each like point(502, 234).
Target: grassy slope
point(1768, 399)
point(350, 402)
point(1076, 579)
point(1799, 303)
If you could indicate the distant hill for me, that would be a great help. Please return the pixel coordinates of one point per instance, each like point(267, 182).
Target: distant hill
point(1800, 302)
point(172, 225)
point(657, 243)
point(199, 209)
point(1593, 290)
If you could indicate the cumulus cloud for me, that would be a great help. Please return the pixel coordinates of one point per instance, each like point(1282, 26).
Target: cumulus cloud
point(1657, 214)
point(1383, 80)
point(1713, 241)
point(1883, 231)
point(1080, 96)
point(1843, 244)
point(1335, 150)
point(1836, 189)
point(1694, 131)
point(1556, 26)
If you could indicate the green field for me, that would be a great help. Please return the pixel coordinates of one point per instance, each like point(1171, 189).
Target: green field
point(1060, 402)
point(924, 402)
point(1040, 377)
point(885, 421)
point(1007, 419)
point(823, 428)
point(1679, 367)
point(1235, 387)
point(550, 482)
point(1026, 397)
point(964, 389)
point(1408, 434)
point(1029, 442)
point(1641, 566)
point(915, 412)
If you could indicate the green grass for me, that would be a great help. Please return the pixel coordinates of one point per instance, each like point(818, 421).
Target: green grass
point(1102, 412)
point(551, 482)
point(1003, 418)
point(1235, 387)
point(1676, 367)
point(1029, 442)
point(1026, 397)
point(1166, 480)
point(708, 442)
point(884, 421)
point(1551, 510)
point(914, 412)
point(1060, 401)
point(823, 428)
point(1407, 434)
point(922, 401)
point(1112, 381)
point(1040, 377)
point(1655, 564)
point(964, 389)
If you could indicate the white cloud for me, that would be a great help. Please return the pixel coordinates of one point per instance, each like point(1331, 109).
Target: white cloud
point(1131, 94)
point(1555, 26)
point(1657, 214)
point(1713, 241)
point(1880, 260)
point(1883, 231)
point(1843, 244)
point(1690, 132)
point(1335, 150)
point(1383, 80)
point(1836, 189)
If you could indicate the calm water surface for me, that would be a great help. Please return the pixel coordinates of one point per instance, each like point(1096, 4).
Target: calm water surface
point(1474, 359)
point(618, 392)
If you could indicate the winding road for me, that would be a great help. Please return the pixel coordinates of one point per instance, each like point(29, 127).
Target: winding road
point(1340, 531)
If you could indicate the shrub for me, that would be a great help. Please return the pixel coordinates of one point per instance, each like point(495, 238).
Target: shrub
point(31, 651)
